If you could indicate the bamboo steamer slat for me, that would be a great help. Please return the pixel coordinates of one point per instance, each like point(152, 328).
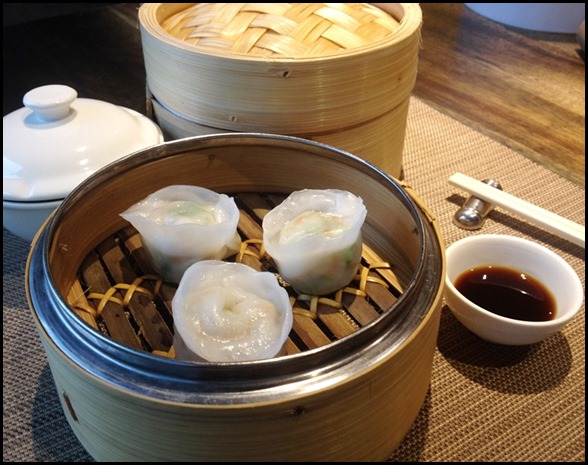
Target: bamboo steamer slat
point(349, 396)
point(359, 139)
point(139, 299)
point(316, 71)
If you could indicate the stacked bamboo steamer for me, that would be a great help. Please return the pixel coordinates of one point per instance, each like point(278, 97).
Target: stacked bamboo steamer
point(341, 74)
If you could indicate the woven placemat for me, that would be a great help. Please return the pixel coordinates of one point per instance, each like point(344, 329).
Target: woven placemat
point(486, 402)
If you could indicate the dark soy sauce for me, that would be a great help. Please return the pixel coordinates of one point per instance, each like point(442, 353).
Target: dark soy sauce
point(507, 292)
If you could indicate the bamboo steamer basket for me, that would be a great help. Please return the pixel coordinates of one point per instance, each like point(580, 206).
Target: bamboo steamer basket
point(341, 74)
point(358, 363)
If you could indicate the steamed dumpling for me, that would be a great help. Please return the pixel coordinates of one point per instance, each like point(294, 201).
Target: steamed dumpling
point(180, 225)
point(314, 237)
point(229, 312)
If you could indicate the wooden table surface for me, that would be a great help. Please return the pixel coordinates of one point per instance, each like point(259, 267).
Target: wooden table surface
point(524, 89)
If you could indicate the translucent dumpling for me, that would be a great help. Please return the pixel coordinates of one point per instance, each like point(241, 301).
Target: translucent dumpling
point(314, 237)
point(229, 312)
point(180, 225)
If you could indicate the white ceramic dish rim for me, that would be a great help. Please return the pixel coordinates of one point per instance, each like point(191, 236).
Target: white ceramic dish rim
point(31, 204)
point(564, 266)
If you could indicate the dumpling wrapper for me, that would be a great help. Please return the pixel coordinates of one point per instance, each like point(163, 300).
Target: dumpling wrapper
point(229, 312)
point(314, 237)
point(180, 225)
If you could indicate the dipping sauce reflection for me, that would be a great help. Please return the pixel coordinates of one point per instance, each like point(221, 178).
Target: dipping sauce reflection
point(507, 292)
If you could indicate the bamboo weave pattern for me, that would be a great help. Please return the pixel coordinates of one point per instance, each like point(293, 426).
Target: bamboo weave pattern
point(280, 29)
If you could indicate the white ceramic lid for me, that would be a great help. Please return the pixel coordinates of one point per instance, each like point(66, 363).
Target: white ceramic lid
point(57, 140)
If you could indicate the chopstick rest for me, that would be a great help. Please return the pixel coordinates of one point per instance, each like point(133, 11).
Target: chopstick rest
point(474, 211)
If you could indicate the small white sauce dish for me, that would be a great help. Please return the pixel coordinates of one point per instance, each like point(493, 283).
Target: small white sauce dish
point(55, 142)
point(526, 257)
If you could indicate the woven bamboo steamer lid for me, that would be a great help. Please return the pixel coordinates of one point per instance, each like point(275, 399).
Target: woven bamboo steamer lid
point(295, 69)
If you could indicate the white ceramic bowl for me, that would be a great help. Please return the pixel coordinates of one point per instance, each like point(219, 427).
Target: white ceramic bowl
point(25, 218)
point(545, 17)
point(55, 142)
point(552, 271)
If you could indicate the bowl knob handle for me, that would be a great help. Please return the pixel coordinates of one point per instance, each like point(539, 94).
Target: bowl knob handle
point(51, 102)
